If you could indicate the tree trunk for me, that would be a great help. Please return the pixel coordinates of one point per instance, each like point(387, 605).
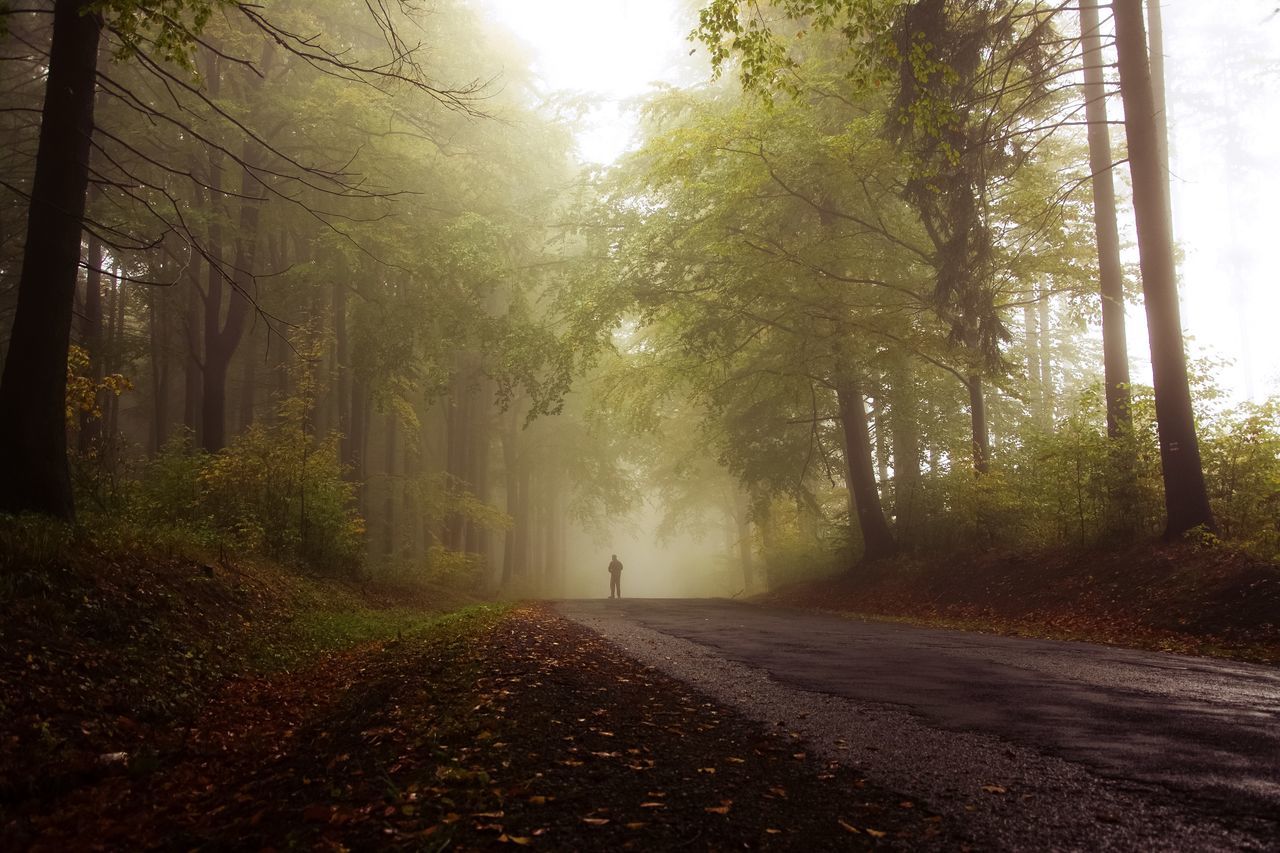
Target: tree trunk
point(33, 389)
point(1155, 46)
point(222, 338)
point(248, 386)
point(478, 467)
point(904, 431)
point(159, 329)
point(510, 460)
point(1115, 348)
point(342, 371)
point(389, 505)
point(742, 520)
point(192, 369)
point(981, 440)
point(1049, 414)
point(92, 340)
point(1186, 502)
point(1031, 353)
point(864, 497)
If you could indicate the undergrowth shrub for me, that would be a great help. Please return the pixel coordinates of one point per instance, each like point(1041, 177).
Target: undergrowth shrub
point(274, 490)
point(1077, 486)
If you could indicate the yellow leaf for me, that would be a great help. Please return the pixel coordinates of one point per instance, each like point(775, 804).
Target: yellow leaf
point(875, 833)
point(848, 827)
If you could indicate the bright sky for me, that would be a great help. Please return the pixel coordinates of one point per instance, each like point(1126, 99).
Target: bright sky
point(613, 49)
point(1223, 63)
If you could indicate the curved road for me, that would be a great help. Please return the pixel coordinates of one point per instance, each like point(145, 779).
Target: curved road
point(1023, 744)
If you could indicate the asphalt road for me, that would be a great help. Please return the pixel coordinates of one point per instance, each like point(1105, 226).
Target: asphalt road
point(1026, 744)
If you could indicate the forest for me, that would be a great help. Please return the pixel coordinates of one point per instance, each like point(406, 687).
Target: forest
point(347, 299)
point(323, 299)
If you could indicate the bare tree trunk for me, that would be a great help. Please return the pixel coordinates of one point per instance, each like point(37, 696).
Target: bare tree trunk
point(981, 440)
point(192, 369)
point(1115, 347)
point(1155, 45)
point(511, 461)
point(905, 430)
point(478, 466)
point(1031, 354)
point(742, 521)
point(221, 338)
point(1186, 501)
point(1049, 414)
point(389, 504)
point(248, 386)
point(114, 349)
point(342, 372)
point(91, 339)
point(159, 334)
point(864, 497)
point(33, 389)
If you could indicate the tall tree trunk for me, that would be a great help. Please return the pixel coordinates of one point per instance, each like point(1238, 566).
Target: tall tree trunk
point(91, 339)
point(1049, 414)
point(159, 329)
point(981, 441)
point(904, 428)
point(1186, 501)
point(478, 465)
point(511, 461)
point(248, 386)
point(342, 371)
point(389, 505)
point(864, 497)
point(742, 521)
point(1031, 352)
point(33, 388)
point(1115, 348)
point(1155, 44)
point(192, 369)
point(222, 338)
point(114, 351)
point(522, 521)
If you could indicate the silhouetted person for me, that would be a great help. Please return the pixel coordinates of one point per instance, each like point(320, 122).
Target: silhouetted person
point(615, 577)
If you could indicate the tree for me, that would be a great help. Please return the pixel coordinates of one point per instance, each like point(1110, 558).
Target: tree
point(161, 36)
point(1186, 500)
point(1115, 350)
point(33, 430)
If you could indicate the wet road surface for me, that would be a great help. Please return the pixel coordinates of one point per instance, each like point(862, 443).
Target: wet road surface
point(1095, 747)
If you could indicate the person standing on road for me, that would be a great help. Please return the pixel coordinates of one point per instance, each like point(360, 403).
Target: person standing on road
point(615, 577)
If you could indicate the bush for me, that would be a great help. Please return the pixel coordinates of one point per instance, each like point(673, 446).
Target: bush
point(1240, 449)
point(274, 491)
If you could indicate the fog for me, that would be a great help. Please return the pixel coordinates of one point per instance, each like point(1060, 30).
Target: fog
point(485, 311)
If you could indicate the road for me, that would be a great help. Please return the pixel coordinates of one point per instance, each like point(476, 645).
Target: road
point(1026, 744)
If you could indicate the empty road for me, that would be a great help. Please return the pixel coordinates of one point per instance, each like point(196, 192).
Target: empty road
point(1025, 744)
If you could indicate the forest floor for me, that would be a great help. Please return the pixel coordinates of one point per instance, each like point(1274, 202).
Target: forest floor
point(161, 704)
point(1179, 598)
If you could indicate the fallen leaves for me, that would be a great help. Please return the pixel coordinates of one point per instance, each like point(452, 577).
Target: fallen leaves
point(450, 741)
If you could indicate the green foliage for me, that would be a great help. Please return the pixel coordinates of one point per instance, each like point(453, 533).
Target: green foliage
point(31, 545)
point(167, 28)
point(1241, 453)
point(281, 492)
point(273, 491)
